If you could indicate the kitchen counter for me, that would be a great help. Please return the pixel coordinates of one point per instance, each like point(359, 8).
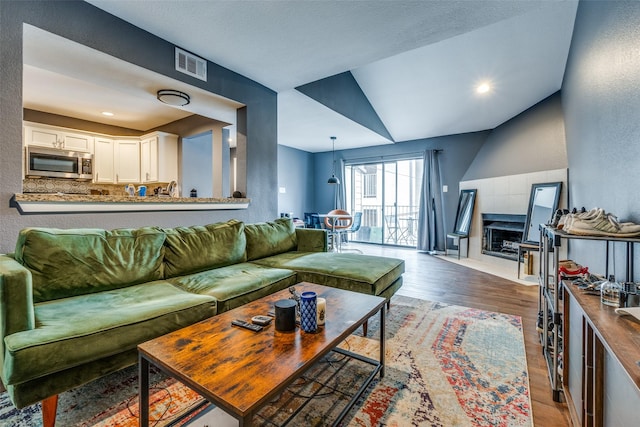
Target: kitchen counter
point(59, 202)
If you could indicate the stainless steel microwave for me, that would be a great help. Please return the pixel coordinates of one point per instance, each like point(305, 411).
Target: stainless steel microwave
point(54, 163)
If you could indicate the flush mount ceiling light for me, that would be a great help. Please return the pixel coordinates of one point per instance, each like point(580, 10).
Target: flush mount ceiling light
point(173, 97)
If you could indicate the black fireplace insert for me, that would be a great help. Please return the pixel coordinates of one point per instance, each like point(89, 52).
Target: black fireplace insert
point(501, 234)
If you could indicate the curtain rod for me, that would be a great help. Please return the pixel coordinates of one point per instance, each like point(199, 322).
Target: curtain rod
point(399, 156)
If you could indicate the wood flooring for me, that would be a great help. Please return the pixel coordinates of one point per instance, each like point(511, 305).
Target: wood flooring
point(430, 278)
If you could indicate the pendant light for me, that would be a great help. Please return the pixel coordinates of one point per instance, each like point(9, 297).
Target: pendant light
point(333, 180)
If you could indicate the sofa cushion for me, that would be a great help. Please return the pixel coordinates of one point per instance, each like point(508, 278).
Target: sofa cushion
point(66, 263)
point(77, 330)
point(237, 284)
point(270, 238)
point(353, 272)
point(311, 239)
point(199, 248)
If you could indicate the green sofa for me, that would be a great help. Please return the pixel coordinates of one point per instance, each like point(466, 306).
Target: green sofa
point(74, 304)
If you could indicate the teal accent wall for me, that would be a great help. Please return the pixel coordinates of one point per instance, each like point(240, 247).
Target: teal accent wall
point(83, 23)
point(343, 94)
point(458, 151)
point(295, 175)
point(533, 141)
point(601, 103)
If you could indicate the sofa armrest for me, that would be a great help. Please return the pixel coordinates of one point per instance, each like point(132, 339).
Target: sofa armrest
point(312, 239)
point(16, 298)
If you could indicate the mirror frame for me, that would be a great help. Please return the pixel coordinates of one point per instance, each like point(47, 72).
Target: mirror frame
point(462, 226)
point(535, 188)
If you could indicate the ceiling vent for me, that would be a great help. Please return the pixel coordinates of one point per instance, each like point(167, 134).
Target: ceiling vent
point(190, 64)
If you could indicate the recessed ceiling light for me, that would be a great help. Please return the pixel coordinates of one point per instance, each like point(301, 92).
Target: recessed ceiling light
point(107, 113)
point(483, 88)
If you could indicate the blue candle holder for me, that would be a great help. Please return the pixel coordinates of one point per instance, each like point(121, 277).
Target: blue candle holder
point(308, 311)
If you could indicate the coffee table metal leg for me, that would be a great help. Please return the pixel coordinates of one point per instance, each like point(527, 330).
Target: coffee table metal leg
point(377, 364)
point(143, 390)
point(245, 421)
point(382, 339)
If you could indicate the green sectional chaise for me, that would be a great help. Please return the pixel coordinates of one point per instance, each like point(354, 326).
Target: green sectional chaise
point(74, 304)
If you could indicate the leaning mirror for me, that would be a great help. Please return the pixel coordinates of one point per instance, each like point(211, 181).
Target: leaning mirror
point(466, 203)
point(543, 202)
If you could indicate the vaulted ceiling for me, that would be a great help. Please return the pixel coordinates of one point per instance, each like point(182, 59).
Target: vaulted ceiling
point(375, 72)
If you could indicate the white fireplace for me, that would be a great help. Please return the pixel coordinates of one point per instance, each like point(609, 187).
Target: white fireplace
point(506, 195)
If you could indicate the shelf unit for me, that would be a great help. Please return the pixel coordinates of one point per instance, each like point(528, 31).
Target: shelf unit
point(548, 305)
point(551, 293)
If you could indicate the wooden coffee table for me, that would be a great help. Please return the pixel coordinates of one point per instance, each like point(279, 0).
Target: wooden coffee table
point(239, 370)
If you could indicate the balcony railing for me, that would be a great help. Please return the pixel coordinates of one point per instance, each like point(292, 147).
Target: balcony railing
point(389, 224)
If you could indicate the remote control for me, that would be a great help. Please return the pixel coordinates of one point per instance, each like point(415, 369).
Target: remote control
point(261, 320)
point(247, 325)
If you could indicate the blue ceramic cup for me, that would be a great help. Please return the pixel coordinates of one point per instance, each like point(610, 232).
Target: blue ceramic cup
point(142, 190)
point(308, 312)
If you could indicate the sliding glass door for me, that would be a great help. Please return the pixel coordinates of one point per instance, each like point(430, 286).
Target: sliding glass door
point(387, 193)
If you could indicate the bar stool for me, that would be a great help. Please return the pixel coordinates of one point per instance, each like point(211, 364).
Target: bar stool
point(337, 220)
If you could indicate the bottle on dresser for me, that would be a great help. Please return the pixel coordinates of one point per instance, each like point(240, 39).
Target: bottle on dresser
point(610, 292)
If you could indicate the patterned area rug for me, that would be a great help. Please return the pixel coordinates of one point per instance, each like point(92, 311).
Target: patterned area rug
point(445, 366)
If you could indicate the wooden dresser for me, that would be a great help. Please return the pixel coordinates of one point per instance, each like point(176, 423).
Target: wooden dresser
point(601, 358)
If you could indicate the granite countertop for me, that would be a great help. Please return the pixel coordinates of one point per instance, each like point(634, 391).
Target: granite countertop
point(60, 202)
point(91, 198)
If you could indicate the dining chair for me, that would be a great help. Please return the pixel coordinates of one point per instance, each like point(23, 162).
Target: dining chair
point(312, 220)
point(355, 226)
point(337, 220)
point(343, 233)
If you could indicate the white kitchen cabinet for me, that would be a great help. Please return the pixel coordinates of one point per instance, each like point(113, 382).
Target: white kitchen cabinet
point(127, 161)
point(103, 161)
point(77, 142)
point(116, 161)
point(131, 160)
point(53, 137)
point(148, 157)
point(158, 157)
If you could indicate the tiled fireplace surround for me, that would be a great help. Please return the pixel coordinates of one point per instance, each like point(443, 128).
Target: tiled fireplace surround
point(506, 195)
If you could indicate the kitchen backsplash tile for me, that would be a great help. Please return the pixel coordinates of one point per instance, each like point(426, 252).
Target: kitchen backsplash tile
point(67, 186)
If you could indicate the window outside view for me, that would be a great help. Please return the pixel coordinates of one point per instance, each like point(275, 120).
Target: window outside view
point(388, 195)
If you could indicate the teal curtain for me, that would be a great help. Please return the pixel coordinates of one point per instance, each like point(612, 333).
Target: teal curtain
point(340, 202)
point(431, 226)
